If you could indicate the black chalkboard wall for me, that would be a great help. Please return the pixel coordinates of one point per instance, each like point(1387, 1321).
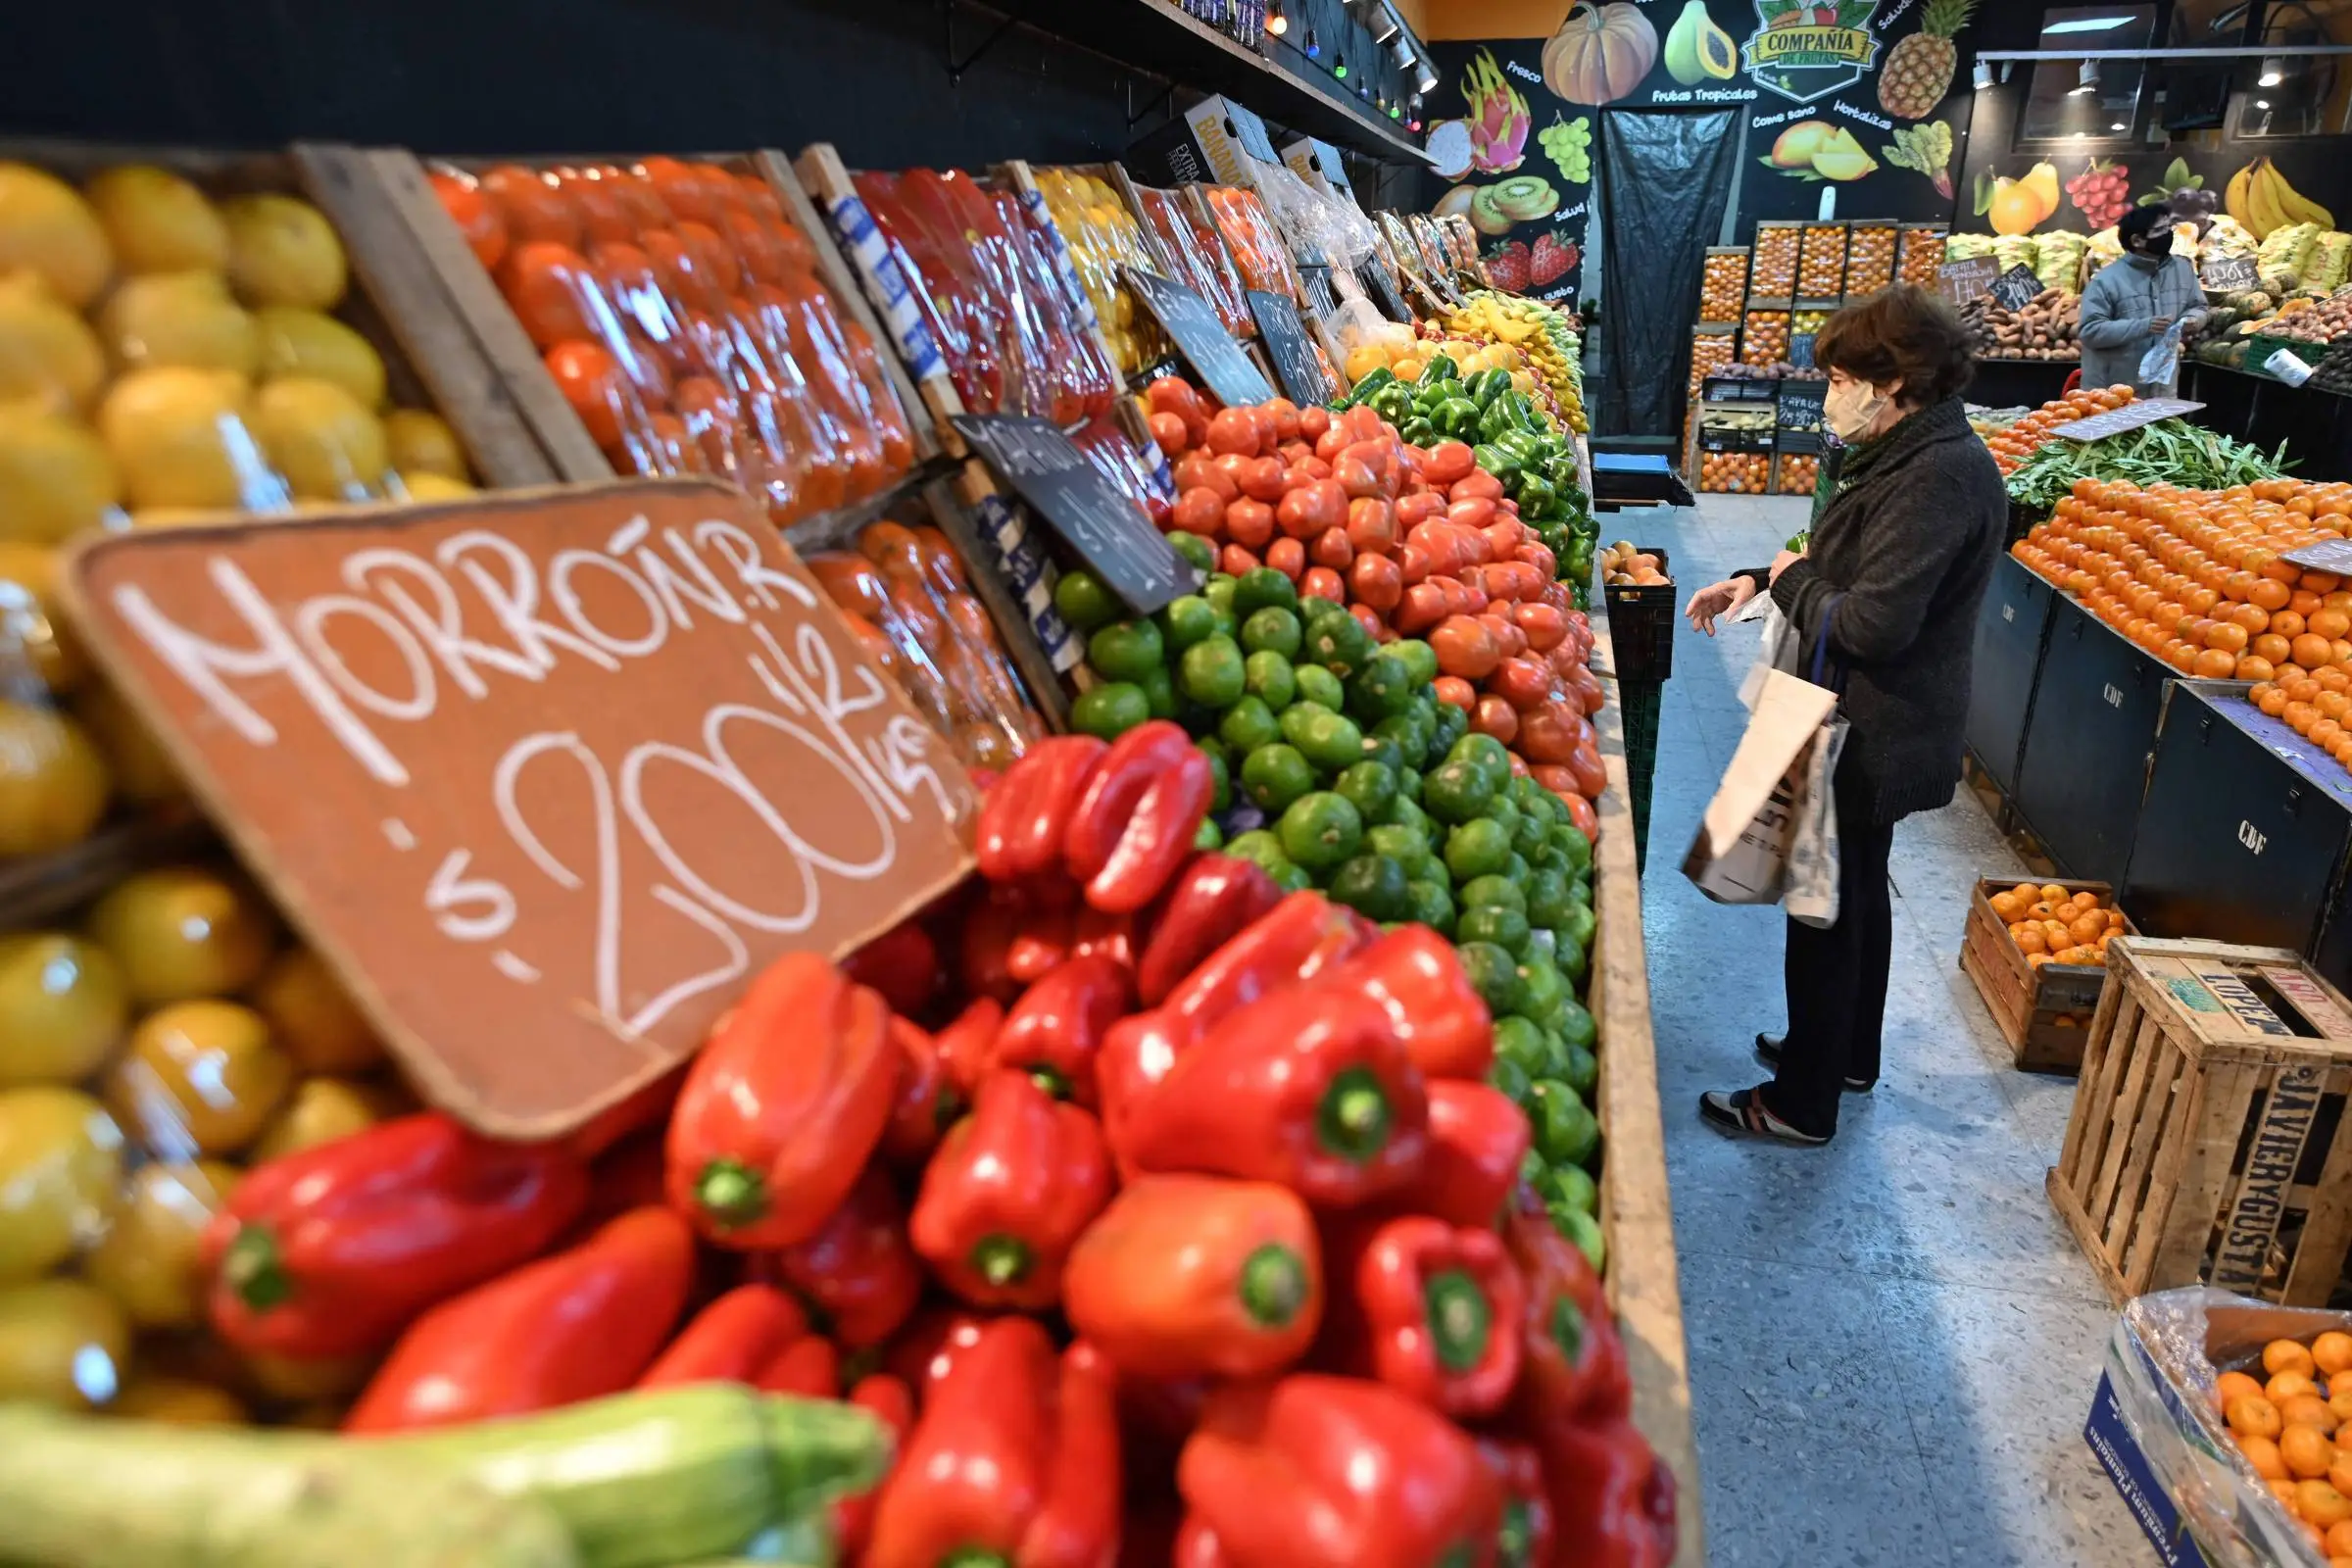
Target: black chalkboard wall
point(564, 76)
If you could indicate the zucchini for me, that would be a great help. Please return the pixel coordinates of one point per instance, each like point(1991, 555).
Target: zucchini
point(668, 1475)
point(79, 1492)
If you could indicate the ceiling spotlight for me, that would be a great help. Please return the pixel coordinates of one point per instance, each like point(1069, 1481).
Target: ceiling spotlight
point(2087, 80)
point(2119, 126)
point(1314, 50)
point(2262, 103)
point(1401, 49)
point(1983, 72)
point(1427, 81)
point(1379, 20)
point(1278, 20)
point(2274, 72)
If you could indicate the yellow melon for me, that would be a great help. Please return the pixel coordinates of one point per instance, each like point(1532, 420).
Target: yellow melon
point(179, 319)
point(179, 437)
point(283, 251)
point(54, 479)
point(158, 221)
point(296, 341)
point(320, 438)
point(47, 353)
point(47, 229)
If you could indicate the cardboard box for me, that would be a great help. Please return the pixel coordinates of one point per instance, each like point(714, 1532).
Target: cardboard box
point(1318, 163)
point(1216, 141)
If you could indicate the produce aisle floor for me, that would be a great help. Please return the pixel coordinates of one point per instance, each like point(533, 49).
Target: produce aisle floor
point(1894, 1342)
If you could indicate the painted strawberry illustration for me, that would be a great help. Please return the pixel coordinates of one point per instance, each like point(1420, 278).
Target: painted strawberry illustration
point(1507, 267)
point(1550, 259)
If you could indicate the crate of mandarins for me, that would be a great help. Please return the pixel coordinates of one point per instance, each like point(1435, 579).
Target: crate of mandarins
point(2037, 952)
point(2208, 1142)
point(2218, 1418)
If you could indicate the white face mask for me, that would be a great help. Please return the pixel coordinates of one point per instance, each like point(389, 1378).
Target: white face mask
point(1851, 406)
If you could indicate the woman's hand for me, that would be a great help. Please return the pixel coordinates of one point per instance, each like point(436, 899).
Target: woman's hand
point(1719, 599)
point(1783, 562)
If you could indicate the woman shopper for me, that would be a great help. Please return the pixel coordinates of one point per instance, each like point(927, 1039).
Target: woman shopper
point(2131, 303)
point(1891, 578)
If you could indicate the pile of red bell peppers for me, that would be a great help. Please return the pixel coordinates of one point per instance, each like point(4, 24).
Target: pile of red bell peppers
point(1168, 1218)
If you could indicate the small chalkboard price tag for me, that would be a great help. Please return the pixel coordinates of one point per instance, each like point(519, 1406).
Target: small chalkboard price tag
point(1294, 363)
point(1965, 280)
point(1384, 289)
point(1201, 339)
point(2224, 274)
point(1801, 350)
point(2328, 555)
point(2014, 289)
point(1800, 404)
point(2130, 416)
point(1062, 485)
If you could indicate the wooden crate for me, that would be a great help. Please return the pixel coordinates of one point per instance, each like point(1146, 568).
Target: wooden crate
point(2208, 1141)
point(2044, 1013)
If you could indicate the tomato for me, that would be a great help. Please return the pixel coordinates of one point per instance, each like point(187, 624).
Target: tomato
point(1412, 564)
point(1448, 461)
point(1296, 451)
point(1332, 442)
point(1505, 536)
point(1332, 548)
point(1422, 606)
point(1374, 628)
point(1584, 762)
point(1249, 523)
point(1544, 627)
point(1232, 561)
point(1493, 717)
point(1232, 468)
point(1287, 557)
point(1173, 395)
point(1233, 431)
point(1379, 459)
point(1312, 422)
point(1455, 692)
point(1477, 512)
point(1540, 557)
point(1465, 647)
point(1508, 636)
point(1286, 418)
point(1198, 510)
point(1374, 581)
point(1477, 485)
point(1262, 480)
point(1309, 510)
point(1438, 543)
point(1314, 467)
point(1586, 685)
point(1554, 777)
point(1550, 731)
point(1371, 525)
point(1321, 582)
point(1580, 812)
point(1168, 432)
point(1414, 509)
point(1363, 423)
point(1520, 682)
point(1354, 476)
point(1473, 599)
point(1199, 473)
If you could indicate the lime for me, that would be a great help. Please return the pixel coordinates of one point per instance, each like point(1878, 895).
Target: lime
point(1247, 725)
point(1370, 787)
point(1576, 1026)
point(1084, 602)
point(1566, 1133)
point(1195, 550)
point(1493, 974)
point(1528, 1048)
point(1259, 848)
point(1160, 691)
point(1208, 836)
point(1110, 711)
point(1493, 890)
point(1381, 688)
point(1545, 992)
point(1573, 961)
point(1509, 1079)
point(1420, 661)
point(1220, 776)
point(1578, 925)
point(1546, 897)
point(1125, 650)
point(1218, 590)
point(1457, 792)
point(1584, 1230)
point(1409, 734)
point(1433, 906)
point(1483, 748)
point(1572, 843)
point(1210, 672)
point(1331, 741)
point(1373, 886)
point(1263, 586)
point(1274, 629)
point(1188, 620)
point(1320, 830)
point(1338, 642)
point(1291, 878)
point(1401, 842)
point(1477, 848)
point(1320, 687)
point(1491, 922)
point(1276, 775)
point(1583, 1072)
point(1266, 675)
point(1570, 1187)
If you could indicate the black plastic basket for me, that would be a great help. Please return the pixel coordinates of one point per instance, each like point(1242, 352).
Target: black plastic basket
point(1641, 627)
point(1641, 702)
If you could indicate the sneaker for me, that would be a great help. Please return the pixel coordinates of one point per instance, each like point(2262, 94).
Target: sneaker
point(1768, 1051)
point(1741, 1112)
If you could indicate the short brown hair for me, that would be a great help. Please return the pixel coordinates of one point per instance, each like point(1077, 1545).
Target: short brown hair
point(1903, 333)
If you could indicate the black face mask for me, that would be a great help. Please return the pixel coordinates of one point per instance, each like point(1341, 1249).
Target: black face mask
point(2158, 244)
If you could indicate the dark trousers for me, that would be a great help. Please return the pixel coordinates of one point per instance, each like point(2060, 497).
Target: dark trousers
point(1836, 983)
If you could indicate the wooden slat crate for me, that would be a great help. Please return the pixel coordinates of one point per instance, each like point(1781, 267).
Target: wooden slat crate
point(2043, 1011)
point(2208, 1141)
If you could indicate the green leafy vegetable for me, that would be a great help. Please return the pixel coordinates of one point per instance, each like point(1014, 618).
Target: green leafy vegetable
point(2169, 450)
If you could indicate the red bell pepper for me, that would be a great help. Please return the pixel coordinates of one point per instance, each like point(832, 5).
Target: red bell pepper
point(984, 956)
point(1134, 824)
point(1187, 1276)
point(1445, 1310)
point(1316, 1469)
point(1025, 818)
point(1009, 1192)
point(783, 1107)
point(902, 963)
point(633, 1174)
point(892, 1402)
point(1013, 1464)
point(1524, 1538)
point(1211, 899)
point(1197, 1547)
point(808, 1368)
point(858, 1270)
point(1097, 933)
point(1043, 931)
point(1615, 1502)
point(927, 1100)
point(571, 1326)
point(1576, 1364)
point(1309, 1088)
point(1055, 1031)
point(1478, 1139)
point(331, 1252)
point(730, 1341)
point(928, 1348)
point(1437, 1012)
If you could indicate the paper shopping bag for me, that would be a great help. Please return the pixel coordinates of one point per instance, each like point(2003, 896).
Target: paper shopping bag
point(1741, 851)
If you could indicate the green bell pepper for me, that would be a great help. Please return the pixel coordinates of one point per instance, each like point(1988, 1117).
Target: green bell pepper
point(1505, 414)
point(1393, 403)
point(1457, 419)
point(1535, 495)
point(1440, 367)
point(1373, 380)
point(1418, 432)
point(1487, 385)
point(1497, 461)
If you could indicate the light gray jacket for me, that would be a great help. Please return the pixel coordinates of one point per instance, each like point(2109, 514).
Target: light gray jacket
point(2122, 299)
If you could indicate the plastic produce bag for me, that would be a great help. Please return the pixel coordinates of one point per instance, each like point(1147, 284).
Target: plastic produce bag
point(1198, 257)
point(680, 313)
point(1315, 224)
point(1102, 237)
point(1258, 250)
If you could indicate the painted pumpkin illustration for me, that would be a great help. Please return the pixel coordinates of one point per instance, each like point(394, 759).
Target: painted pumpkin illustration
point(1601, 53)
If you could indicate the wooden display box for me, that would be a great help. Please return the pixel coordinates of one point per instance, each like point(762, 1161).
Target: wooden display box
point(2208, 1142)
point(2044, 1013)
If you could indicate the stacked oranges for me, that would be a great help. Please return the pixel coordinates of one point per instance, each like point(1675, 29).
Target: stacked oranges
point(2011, 446)
point(2051, 926)
point(2198, 579)
point(2286, 1422)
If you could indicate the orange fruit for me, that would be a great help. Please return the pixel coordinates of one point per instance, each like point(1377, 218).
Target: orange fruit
point(2306, 1451)
point(2251, 1416)
point(2052, 892)
point(2031, 941)
point(551, 289)
point(2284, 1491)
point(478, 218)
point(533, 208)
point(2214, 664)
point(591, 381)
point(2286, 1385)
point(2025, 892)
point(2309, 1410)
point(2228, 636)
point(2262, 1454)
point(2310, 650)
point(2332, 1351)
point(2288, 1355)
point(2329, 624)
point(2321, 1504)
point(2270, 593)
point(2087, 928)
point(2338, 1539)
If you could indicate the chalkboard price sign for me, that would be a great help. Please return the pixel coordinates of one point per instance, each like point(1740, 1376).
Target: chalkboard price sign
point(2014, 289)
point(1962, 281)
point(2130, 416)
point(1062, 485)
point(2224, 274)
point(1285, 335)
point(2328, 555)
point(1201, 339)
point(1384, 289)
point(1800, 404)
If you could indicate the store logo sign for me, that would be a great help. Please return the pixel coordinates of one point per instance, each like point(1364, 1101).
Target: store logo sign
point(2113, 694)
point(2251, 836)
point(1809, 51)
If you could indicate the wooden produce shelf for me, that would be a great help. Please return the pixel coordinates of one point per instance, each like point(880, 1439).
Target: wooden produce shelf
point(1637, 1213)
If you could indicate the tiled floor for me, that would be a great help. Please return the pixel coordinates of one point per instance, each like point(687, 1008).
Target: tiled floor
point(1894, 1342)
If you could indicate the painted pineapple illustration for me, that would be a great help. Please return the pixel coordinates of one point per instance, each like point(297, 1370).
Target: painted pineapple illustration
point(1918, 72)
